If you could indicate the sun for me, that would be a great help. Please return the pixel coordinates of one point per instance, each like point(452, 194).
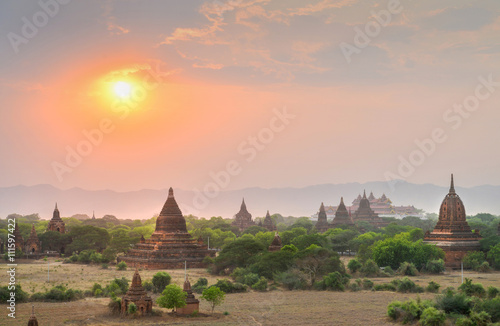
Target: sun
point(122, 89)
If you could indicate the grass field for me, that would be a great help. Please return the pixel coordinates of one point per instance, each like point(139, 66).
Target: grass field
point(254, 308)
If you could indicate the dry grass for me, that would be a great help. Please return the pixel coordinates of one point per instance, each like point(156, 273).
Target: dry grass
point(255, 308)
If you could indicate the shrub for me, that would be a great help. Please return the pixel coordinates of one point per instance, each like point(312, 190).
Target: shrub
point(472, 289)
point(475, 319)
point(451, 302)
point(21, 296)
point(408, 311)
point(406, 285)
point(292, 279)
point(148, 286)
point(354, 287)
point(117, 286)
point(333, 281)
point(227, 286)
point(250, 279)
point(370, 268)
point(354, 265)
point(490, 306)
point(104, 266)
point(58, 293)
point(121, 266)
point(367, 284)
point(484, 267)
point(435, 266)
point(385, 287)
point(132, 308)
point(200, 285)
point(408, 269)
point(260, 285)
point(474, 259)
point(433, 287)
point(388, 270)
point(115, 305)
point(432, 317)
point(160, 281)
point(172, 297)
point(492, 292)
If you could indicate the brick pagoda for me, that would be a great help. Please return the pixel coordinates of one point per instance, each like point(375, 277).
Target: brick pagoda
point(170, 245)
point(32, 321)
point(452, 232)
point(56, 223)
point(268, 223)
point(192, 304)
point(322, 224)
point(33, 244)
point(243, 219)
point(137, 295)
point(366, 214)
point(342, 216)
point(276, 245)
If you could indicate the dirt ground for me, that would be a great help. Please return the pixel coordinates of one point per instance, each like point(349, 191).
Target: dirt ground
point(254, 308)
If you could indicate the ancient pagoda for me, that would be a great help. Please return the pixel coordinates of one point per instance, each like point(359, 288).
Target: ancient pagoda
point(322, 224)
point(56, 223)
point(137, 295)
point(268, 223)
point(276, 244)
point(32, 321)
point(452, 232)
point(366, 214)
point(170, 245)
point(18, 238)
point(342, 216)
point(192, 304)
point(243, 219)
point(33, 244)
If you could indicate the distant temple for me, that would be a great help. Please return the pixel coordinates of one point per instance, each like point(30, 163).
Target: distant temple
point(342, 216)
point(33, 244)
point(170, 245)
point(452, 232)
point(276, 244)
point(322, 224)
point(268, 223)
point(243, 219)
point(137, 295)
point(56, 223)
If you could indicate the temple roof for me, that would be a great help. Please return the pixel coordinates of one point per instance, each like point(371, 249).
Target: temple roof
point(171, 219)
point(33, 235)
point(56, 215)
point(243, 213)
point(268, 222)
point(371, 196)
point(136, 291)
point(277, 240)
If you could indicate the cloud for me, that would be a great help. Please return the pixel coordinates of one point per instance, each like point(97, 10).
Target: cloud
point(460, 19)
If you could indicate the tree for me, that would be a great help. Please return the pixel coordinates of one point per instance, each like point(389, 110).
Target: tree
point(214, 296)
point(238, 253)
point(172, 297)
point(88, 237)
point(160, 281)
point(494, 256)
point(121, 241)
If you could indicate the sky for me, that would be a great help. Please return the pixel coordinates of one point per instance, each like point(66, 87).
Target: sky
point(248, 93)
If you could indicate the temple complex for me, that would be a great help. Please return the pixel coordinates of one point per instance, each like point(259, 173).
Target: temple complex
point(342, 216)
point(366, 214)
point(32, 321)
point(170, 245)
point(452, 232)
point(243, 219)
point(56, 223)
point(138, 296)
point(33, 244)
point(276, 244)
point(322, 224)
point(192, 304)
point(18, 238)
point(268, 223)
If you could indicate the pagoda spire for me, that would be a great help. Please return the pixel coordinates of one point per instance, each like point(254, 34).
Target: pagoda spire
point(33, 321)
point(243, 205)
point(364, 193)
point(452, 185)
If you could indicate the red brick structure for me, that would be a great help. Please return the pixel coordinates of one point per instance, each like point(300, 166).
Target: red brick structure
point(452, 232)
point(18, 238)
point(56, 223)
point(33, 244)
point(243, 219)
point(32, 321)
point(192, 304)
point(322, 224)
point(268, 223)
point(138, 296)
point(170, 245)
point(366, 214)
point(342, 216)
point(276, 245)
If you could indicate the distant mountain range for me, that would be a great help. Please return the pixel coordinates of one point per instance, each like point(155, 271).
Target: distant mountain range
point(143, 204)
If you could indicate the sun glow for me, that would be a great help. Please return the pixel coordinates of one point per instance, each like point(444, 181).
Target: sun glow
point(122, 89)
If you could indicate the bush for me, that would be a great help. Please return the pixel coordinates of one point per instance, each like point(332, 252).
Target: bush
point(21, 296)
point(160, 281)
point(367, 284)
point(433, 287)
point(490, 306)
point(475, 319)
point(474, 259)
point(58, 293)
point(435, 266)
point(432, 317)
point(492, 292)
point(132, 308)
point(406, 285)
point(200, 285)
point(370, 268)
point(117, 286)
point(354, 287)
point(388, 270)
point(121, 266)
point(292, 279)
point(333, 282)
point(451, 302)
point(385, 287)
point(484, 267)
point(104, 266)
point(260, 285)
point(148, 286)
point(115, 305)
point(472, 289)
point(250, 279)
point(354, 265)
point(408, 311)
point(227, 286)
point(408, 269)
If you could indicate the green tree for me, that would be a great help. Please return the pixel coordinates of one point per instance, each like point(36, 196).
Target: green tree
point(160, 281)
point(214, 296)
point(494, 256)
point(172, 297)
point(238, 253)
point(88, 237)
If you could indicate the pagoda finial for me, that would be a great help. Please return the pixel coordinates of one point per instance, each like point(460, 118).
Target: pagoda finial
point(452, 185)
point(170, 192)
point(341, 200)
point(243, 205)
point(364, 193)
point(56, 206)
point(93, 215)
